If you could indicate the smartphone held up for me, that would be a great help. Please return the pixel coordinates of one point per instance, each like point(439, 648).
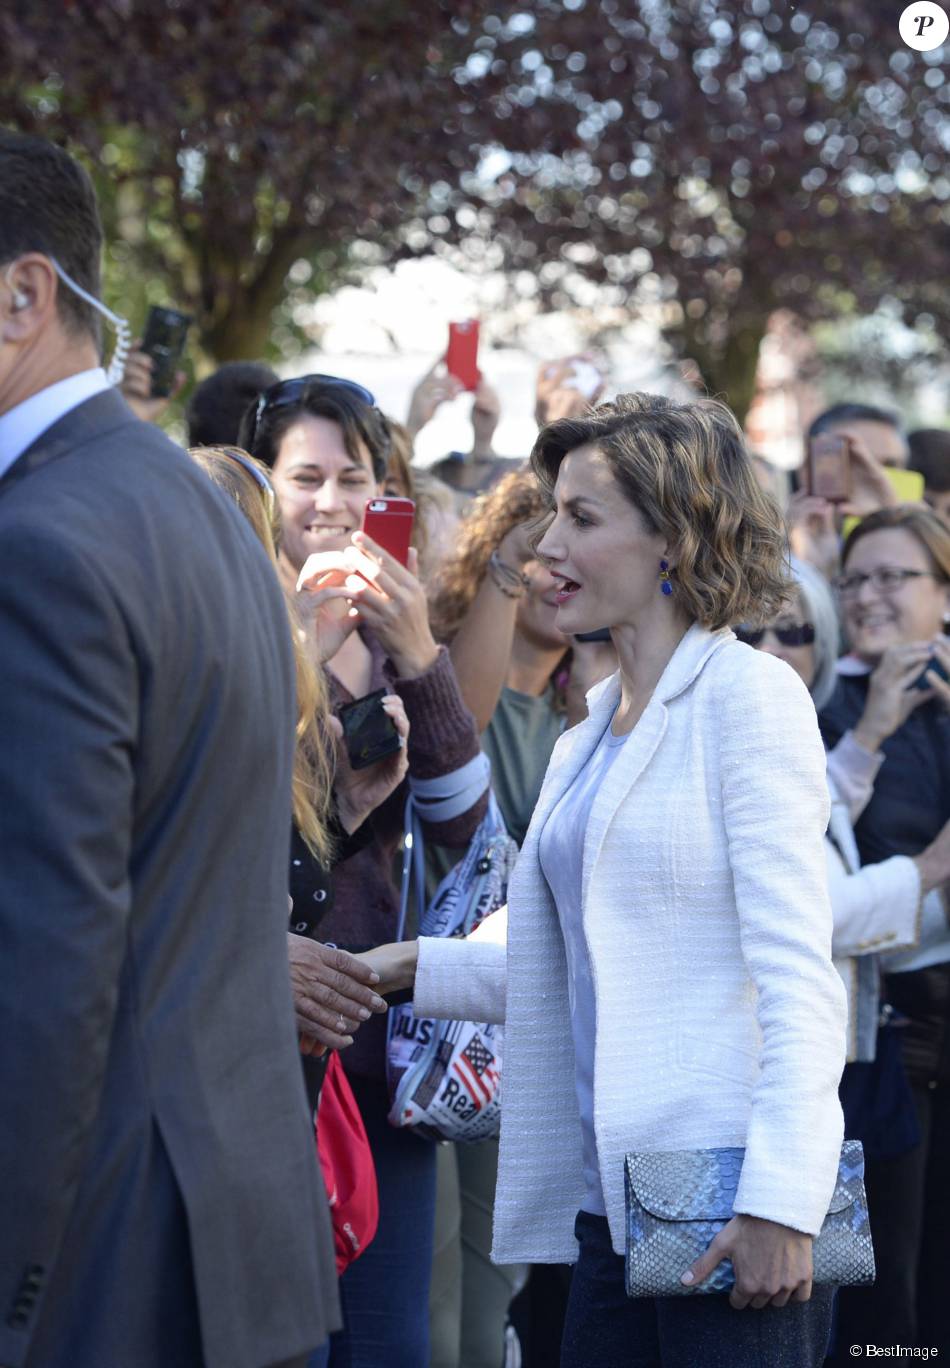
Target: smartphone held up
point(389, 522)
point(461, 355)
point(166, 331)
point(829, 468)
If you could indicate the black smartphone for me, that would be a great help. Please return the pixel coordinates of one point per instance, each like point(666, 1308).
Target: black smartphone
point(922, 682)
point(602, 634)
point(166, 331)
point(368, 730)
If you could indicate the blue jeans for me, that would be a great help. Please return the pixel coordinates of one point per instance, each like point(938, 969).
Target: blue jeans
point(607, 1328)
point(385, 1292)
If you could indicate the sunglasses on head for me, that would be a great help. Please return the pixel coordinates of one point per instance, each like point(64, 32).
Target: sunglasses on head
point(292, 391)
point(253, 469)
point(801, 634)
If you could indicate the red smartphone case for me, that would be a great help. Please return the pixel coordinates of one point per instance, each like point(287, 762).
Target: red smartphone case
point(461, 357)
point(389, 522)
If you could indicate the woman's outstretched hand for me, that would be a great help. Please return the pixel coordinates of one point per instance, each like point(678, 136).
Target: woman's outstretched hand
point(395, 964)
point(772, 1263)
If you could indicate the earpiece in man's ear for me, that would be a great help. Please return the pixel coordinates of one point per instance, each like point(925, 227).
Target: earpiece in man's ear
point(20, 300)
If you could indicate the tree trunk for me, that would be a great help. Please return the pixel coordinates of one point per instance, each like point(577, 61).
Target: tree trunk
point(240, 330)
point(728, 368)
point(733, 372)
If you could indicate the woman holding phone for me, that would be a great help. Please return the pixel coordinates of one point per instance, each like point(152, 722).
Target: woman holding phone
point(326, 445)
point(668, 982)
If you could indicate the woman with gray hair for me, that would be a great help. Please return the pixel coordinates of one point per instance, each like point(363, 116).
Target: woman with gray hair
point(877, 907)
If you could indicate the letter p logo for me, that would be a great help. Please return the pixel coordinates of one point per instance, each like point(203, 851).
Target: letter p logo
point(924, 26)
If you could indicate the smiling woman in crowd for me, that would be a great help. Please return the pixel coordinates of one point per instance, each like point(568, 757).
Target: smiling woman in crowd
point(891, 709)
point(327, 446)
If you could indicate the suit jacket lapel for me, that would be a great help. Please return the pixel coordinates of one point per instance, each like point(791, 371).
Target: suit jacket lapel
point(87, 421)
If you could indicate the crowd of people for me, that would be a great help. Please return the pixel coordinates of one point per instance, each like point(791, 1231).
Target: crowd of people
point(715, 715)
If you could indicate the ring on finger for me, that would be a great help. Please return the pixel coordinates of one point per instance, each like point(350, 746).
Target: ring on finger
point(341, 1027)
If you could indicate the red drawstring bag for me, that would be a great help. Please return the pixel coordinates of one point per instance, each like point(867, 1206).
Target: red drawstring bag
point(347, 1166)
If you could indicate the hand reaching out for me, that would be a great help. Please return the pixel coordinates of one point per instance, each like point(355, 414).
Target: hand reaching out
point(486, 412)
point(333, 993)
point(395, 964)
point(870, 487)
point(435, 387)
point(555, 397)
point(812, 532)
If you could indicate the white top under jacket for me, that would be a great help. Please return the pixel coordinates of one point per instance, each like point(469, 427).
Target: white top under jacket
point(720, 1018)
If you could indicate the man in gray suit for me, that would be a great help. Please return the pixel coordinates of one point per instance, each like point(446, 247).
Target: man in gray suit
point(160, 1200)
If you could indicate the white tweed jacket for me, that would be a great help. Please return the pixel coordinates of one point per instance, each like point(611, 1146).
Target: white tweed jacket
point(720, 1018)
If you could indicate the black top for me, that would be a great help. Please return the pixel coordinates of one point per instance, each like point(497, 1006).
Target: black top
point(911, 798)
point(311, 883)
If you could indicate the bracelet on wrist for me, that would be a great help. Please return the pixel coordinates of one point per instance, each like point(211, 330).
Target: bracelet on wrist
point(505, 577)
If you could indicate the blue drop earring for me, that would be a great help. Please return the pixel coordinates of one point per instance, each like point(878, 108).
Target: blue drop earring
point(665, 584)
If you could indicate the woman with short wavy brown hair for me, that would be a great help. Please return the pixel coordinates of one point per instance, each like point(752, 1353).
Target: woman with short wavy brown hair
point(667, 982)
point(686, 470)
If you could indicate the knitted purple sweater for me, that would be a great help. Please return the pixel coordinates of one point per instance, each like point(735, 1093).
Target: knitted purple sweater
point(442, 738)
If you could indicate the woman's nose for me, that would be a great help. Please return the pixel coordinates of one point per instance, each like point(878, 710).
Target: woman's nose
point(866, 592)
point(548, 548)
point(328, 496)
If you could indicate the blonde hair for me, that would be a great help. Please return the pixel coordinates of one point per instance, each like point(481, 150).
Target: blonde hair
point(313, 772)
point(686, 468)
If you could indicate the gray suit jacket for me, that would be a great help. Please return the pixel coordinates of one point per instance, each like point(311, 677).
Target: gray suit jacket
point(160, 1199)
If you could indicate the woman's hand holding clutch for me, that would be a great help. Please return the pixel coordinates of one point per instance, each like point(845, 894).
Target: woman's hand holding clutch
point(772, 1263)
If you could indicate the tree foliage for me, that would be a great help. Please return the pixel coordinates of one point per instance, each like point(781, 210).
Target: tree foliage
point(712, 160)
point(231, 142)
point(729, 159)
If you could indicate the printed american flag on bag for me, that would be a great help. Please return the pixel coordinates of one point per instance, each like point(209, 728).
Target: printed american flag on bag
point(445, 1076)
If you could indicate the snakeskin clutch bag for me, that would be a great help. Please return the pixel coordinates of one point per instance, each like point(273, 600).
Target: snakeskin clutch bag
point(677, 1203)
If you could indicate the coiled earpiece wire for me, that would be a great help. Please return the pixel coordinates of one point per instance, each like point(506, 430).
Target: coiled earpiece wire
point(123, 333)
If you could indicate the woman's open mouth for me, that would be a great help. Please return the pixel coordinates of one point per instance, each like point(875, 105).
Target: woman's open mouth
point(566, 589)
